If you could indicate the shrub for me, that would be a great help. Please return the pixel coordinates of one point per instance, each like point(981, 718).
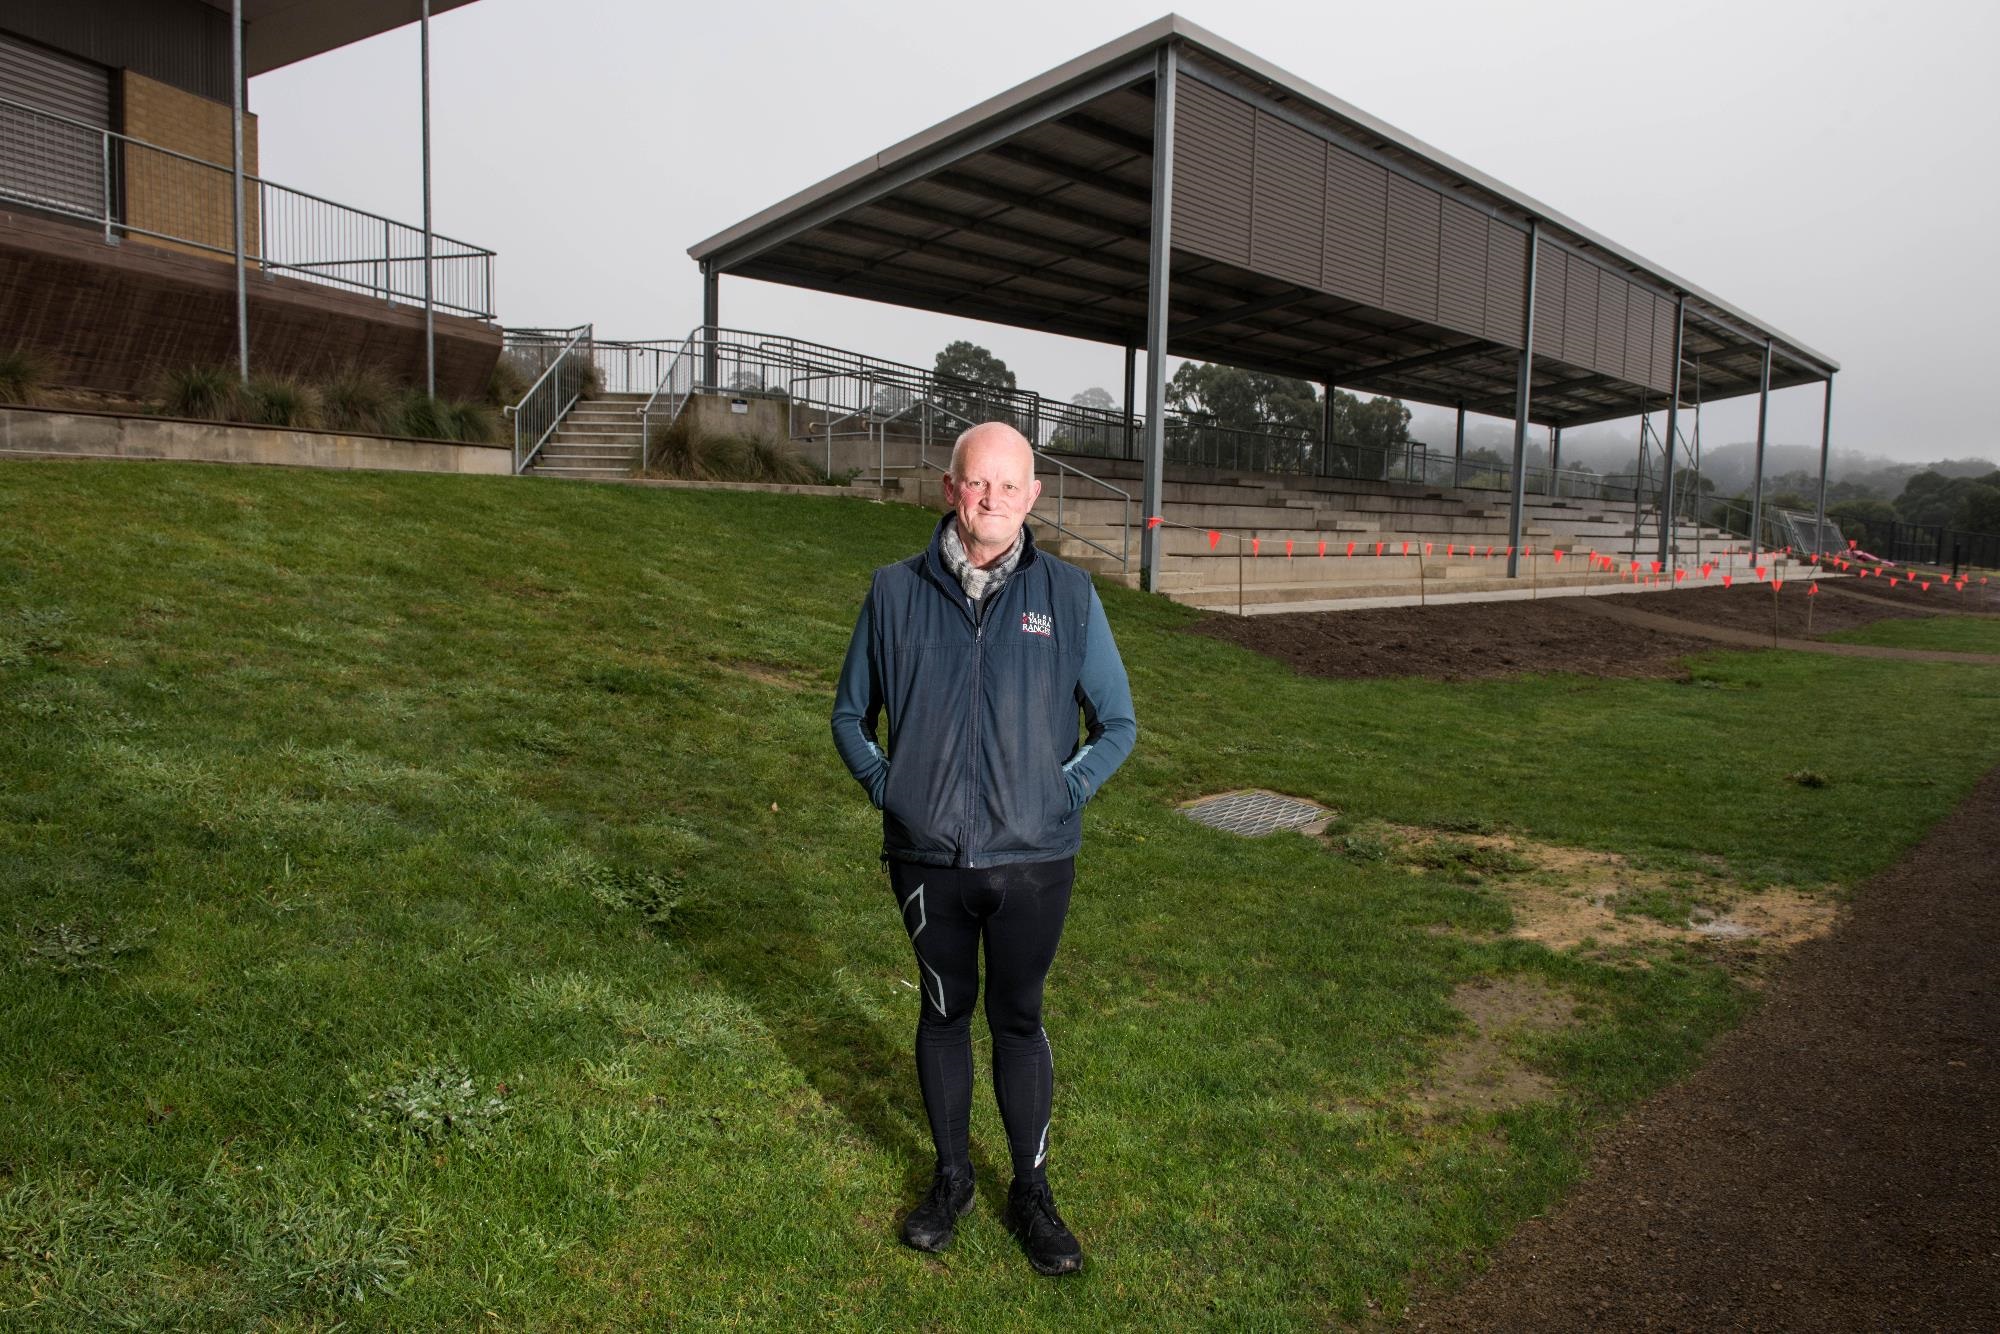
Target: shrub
point(358, 398)
point(278, 400)
point(509, 381)
point(774, 460)
point(206, 393)
point(22, 376)
point(684, 450)
point(468, 420)
point(419, 416)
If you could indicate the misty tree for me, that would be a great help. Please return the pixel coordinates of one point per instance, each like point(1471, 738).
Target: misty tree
point(1093, 397)
point(973, 385)
point(892, 400)
point(1240, 400)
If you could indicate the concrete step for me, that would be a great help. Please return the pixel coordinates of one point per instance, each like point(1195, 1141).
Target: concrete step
point(580, 474)
point(1271, 595)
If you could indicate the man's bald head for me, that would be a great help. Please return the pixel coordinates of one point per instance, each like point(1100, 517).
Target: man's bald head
point(991, 487)
point(990, 436)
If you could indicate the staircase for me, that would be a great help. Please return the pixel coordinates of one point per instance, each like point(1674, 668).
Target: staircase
point(598, 439)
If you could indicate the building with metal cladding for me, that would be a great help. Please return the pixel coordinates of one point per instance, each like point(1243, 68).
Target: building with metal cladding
point(118, 219)
point(1172, 192)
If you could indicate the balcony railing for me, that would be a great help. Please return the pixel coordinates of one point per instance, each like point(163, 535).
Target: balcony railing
point(133, 189)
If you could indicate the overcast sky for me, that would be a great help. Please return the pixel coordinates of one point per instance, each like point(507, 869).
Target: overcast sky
point(1826, 167)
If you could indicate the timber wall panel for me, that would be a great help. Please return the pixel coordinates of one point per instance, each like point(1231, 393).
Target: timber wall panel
point(1289, 225)
point(1611, 304)
point(1579, 335)
point(1506, 283)
point(1357, 205)
point(1214, 151)
point(1551, 298)
point(1639, 336)
point(1462, 268)
point(1410, 284)
point(1663, 347)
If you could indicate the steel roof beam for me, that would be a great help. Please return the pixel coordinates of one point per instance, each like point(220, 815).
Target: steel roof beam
point(959, 254)
point(879, 182)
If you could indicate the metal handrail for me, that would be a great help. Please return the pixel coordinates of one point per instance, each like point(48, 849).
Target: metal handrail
point(90, 178)
point(549, 399)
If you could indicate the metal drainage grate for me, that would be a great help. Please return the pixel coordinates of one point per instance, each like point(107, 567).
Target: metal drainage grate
point(1254, 812)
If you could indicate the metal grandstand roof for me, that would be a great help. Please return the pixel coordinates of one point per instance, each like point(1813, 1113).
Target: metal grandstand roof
point(1033, 209)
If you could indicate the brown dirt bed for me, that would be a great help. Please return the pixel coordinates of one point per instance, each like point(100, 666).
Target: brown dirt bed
point(1481, 640)
point(1835, 1164)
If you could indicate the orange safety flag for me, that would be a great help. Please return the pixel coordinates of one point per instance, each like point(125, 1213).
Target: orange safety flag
point(1449, 548)
point(1255, 544)
point(1379, 546)
point(1213, 538)
point(1350, 548)
point(1927, 585)
point(1728, 579)
point(1558, 554)
point(1154, 521)
point(1427, 548)
point(1777, 584)
point(1812, 590)
point(1656, 567)
point(1760, 573)
point(1322, 548)
point(1288, 548)
point(1680, 575)
point(1406, 548)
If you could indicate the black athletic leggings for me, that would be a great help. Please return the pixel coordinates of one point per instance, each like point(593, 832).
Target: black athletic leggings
point(1018, 910)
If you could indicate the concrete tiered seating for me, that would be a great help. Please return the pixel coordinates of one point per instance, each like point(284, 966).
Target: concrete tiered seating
point(1558, 535)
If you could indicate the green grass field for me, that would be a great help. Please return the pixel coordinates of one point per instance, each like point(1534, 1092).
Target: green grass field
point(435, 901)
point(1959, 634)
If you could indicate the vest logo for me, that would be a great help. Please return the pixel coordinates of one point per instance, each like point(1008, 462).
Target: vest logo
point(1038, 623)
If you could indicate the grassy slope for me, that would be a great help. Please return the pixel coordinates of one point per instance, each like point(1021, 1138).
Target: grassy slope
point(1959, 634)
point(412, 772)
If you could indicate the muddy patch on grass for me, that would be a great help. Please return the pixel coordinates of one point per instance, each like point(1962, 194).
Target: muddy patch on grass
point(1483, 1071)
point(1600, 902)
point(764, 673)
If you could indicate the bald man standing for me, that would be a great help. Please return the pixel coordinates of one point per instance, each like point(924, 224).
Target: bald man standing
point(984, 653)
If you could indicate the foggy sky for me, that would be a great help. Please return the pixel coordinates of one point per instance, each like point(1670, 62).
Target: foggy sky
point(1826, 167)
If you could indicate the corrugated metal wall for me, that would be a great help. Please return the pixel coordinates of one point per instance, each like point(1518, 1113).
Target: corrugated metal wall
point(180, 42)
point(1253, 189)
point(47, 163)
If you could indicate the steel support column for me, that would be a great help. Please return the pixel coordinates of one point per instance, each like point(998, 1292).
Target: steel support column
point(236, 172)
point(1555, 456)
point(430, 309)
point(1458, 445)
point(1825, 440)
point(1125, 450)
point(711, 324)
point(1523, 390)
point(1325, 430)
point(1757, 486)
point(1159, 268)
point(1667, 524)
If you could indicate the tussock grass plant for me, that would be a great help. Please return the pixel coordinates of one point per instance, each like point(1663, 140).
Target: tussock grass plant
point(432, 784)
point(23, 376)
point(684, 450)
point(509, 381)
point(359, 399)
point(279, 400)
point(204, 393)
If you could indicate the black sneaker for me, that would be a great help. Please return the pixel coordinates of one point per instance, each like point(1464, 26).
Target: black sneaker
point(929, 1226)
point(1031, 1215)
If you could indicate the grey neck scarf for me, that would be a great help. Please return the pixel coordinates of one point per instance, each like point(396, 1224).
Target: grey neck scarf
point(976, 582)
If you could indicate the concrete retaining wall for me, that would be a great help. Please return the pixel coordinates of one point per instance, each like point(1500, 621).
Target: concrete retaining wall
point(41, 433)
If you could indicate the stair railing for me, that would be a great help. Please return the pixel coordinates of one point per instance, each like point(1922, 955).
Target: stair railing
point(550, 398)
